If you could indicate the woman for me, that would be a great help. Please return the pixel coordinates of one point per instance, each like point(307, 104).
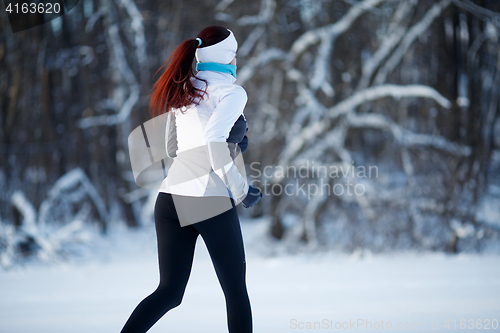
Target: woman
point(203, 185)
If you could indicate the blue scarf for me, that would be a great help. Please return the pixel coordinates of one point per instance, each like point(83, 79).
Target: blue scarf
point(216, 67)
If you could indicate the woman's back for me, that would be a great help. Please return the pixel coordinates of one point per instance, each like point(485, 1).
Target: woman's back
point(191, 123)
point(201, 133)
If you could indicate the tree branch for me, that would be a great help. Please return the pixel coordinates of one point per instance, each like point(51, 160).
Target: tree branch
point(415, 31)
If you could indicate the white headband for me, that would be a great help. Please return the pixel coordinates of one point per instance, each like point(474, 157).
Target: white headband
point(223, 52)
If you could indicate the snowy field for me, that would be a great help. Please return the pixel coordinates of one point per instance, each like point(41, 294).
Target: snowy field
point(97, 293)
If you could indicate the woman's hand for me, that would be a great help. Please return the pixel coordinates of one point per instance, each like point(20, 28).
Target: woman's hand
point(252, 197)
point(243, 144)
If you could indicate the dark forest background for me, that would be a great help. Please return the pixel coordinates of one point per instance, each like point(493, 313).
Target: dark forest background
point(410, 86)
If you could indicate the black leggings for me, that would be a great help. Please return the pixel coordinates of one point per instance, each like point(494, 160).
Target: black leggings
point(176, 245)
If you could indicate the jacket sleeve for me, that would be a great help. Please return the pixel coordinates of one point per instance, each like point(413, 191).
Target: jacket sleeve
point(225, 114)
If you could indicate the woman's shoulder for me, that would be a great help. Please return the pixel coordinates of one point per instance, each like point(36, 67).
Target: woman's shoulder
point(232, 90)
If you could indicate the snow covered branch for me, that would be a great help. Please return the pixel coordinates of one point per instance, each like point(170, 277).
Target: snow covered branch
point(266, 12)
point(139, 41)
point(417, 30)
point(406, 137)
point(8, 242)
point(397, 29)
point(387, 90)
point(120, 61)
point(66, 183)
point(52, 236)
point(331, 31)
point(315, 129)
point(259, 61)
point(249, 43)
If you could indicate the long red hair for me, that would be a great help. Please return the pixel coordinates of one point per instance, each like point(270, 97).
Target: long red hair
point(174, 89)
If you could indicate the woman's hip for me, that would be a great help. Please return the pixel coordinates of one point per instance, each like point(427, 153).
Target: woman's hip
point(188, 210)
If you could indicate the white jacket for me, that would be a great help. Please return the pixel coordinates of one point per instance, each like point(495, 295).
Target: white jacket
point(202, 165)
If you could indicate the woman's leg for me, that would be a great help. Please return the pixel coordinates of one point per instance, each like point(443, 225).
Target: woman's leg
point(176, 246)
point(222, 236)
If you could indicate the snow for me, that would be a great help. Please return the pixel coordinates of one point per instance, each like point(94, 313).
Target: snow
point(96, 292)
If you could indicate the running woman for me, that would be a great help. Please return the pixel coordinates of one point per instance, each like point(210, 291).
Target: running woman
point(203, 185)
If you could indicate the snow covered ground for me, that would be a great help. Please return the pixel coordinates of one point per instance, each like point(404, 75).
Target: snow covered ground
point(337, 291)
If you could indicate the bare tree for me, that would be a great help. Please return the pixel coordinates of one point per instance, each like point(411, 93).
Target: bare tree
point(338, 94)
point(410, 88)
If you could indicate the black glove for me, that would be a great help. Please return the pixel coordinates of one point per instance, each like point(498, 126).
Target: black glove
point(253, 196)
point(243, 144)
point(237, 133)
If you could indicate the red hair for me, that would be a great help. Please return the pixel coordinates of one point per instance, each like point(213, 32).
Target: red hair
point(174, 89)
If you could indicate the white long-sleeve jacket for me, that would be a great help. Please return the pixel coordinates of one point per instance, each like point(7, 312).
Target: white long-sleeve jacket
point(202, 165)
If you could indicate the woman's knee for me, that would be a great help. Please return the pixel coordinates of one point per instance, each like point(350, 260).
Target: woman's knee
point(170, 297)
